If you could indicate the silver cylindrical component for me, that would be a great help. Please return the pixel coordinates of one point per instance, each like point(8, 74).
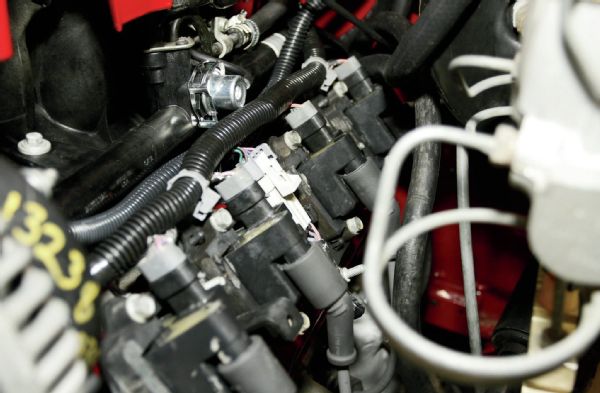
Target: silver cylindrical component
point(227, 91)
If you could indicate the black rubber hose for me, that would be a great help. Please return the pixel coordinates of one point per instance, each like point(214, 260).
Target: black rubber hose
point(294, 43)
point(389, 22)
point(98, 227)
point(120, 252)
point(269, 14)
point(423, 38)
point(230, 68)
point(313, 47)
point(361, 25)
point(374, 66)
point(411, 272)
point(401, 6)
point(258, 61)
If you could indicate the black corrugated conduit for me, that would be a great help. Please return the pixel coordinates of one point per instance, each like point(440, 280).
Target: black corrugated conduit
point(294, 43)
point(98, 227)
point(121, 251)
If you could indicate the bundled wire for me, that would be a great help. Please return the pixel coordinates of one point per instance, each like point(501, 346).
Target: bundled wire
point(427, 354)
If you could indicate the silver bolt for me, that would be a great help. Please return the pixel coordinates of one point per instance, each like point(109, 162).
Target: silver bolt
point(181, 41)
point(34, 144)
point(140, 307)
point(354, 225)
point(292, 139)
point(221, 220)
point(340, 88)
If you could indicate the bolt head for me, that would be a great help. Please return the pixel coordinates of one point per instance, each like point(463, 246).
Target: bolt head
point(292, 139)
point(140, 307)
point(354, 225)
point(221, 220)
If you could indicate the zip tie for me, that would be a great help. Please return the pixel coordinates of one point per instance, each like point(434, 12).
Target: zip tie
point(209, 197)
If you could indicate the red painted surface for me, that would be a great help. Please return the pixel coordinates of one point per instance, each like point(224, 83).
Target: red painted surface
point(500, 256)
point(124, 11)
point(6, 49)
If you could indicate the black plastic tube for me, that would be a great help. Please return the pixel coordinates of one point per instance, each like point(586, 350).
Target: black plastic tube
point(411, 268)
point(121, 251)
point(230, 68)
point(361, 25)
point(392, 23)
point(419, 42)
point(313, 47)
point(98, 227)
point(258, 61)
point(294, 43)
point(401, 6)
point(269, 14)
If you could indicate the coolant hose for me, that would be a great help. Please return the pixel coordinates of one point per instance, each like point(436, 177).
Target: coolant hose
point(411, 270)
point(423, 38)
point(415, 43)
point(269, 14)
point(294, 43)
point(122, 250)
point(98, 227)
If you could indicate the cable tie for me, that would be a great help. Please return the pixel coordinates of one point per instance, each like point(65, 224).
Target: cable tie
point(209, 197)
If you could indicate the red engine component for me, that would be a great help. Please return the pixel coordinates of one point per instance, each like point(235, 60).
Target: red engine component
point(124, 11)
point(6, 49)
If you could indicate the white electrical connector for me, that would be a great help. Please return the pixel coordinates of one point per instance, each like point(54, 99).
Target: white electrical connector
point(278, 185)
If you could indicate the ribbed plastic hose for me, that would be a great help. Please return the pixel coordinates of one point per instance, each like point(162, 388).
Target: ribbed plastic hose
point(292, 49)
point(122, 250)
point(98, 227)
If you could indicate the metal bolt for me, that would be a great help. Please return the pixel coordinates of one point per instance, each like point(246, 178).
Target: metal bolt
point(140, 307)
point(34, 144)
point(354, 225)
point(292, 139)
point(181, 41)
point(340, 88)
point(221, 220)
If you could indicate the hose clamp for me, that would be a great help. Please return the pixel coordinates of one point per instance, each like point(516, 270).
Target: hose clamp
point(209, 197)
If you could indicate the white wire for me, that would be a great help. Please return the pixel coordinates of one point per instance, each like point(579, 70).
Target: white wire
point(433, 357)
point(466, 243)
point(344, 381)
point(507, 66)
point(485, 62)
point(487, 84)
